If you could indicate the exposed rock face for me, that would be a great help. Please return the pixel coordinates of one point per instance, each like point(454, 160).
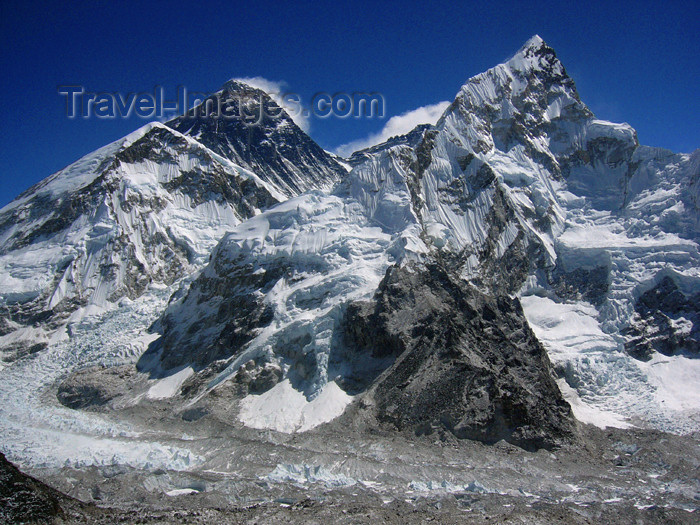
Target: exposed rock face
point(146, 209)
point(256, 378)
point(232, 320)
point(465, 362)
point(244, 125)
point(582, 283)
point(666, 321)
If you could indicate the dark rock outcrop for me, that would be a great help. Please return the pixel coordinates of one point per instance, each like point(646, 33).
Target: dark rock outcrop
point(86, 388)
point(582, 283)
point(464, 362)
point(24, 499)
point(666, 321)
point(240, 311)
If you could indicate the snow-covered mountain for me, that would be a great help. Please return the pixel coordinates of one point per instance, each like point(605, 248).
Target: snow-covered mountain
point(518, 189)
point(413, 138)
point(468, 278)
point(144, 211)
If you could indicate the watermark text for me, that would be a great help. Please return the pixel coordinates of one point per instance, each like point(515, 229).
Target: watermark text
point(251, 106)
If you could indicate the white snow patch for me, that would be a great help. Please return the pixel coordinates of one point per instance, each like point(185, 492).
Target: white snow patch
point(567, 331)
point(602, 382)
point(181, 492)
point(285, 409)
point(588, 413)
point(676, 379)
point(169, 386)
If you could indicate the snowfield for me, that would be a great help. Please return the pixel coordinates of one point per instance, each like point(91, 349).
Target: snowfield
point(606, 386)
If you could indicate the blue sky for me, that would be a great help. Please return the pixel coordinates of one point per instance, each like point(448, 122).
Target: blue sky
point(636, 62)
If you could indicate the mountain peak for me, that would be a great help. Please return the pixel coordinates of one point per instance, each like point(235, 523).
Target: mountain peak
point(238, 86)
point(244, 124)
point(536, 55)
point(535, 41)
point(534, 69)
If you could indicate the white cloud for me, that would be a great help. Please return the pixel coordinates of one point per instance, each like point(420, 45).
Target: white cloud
point(398, 125)
point(275, 89)
point(269, 86)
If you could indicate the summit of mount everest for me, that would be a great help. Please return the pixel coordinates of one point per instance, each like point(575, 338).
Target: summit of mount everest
point(207, 303)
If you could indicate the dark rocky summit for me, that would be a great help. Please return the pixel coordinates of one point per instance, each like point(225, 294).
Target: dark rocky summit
point(245, 125)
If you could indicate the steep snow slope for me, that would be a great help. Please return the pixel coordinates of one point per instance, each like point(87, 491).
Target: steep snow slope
point(146, 209)
point(254, 132)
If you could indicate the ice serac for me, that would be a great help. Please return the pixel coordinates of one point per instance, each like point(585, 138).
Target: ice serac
point(246, 126)
point(143, 211)
point(273, 294)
